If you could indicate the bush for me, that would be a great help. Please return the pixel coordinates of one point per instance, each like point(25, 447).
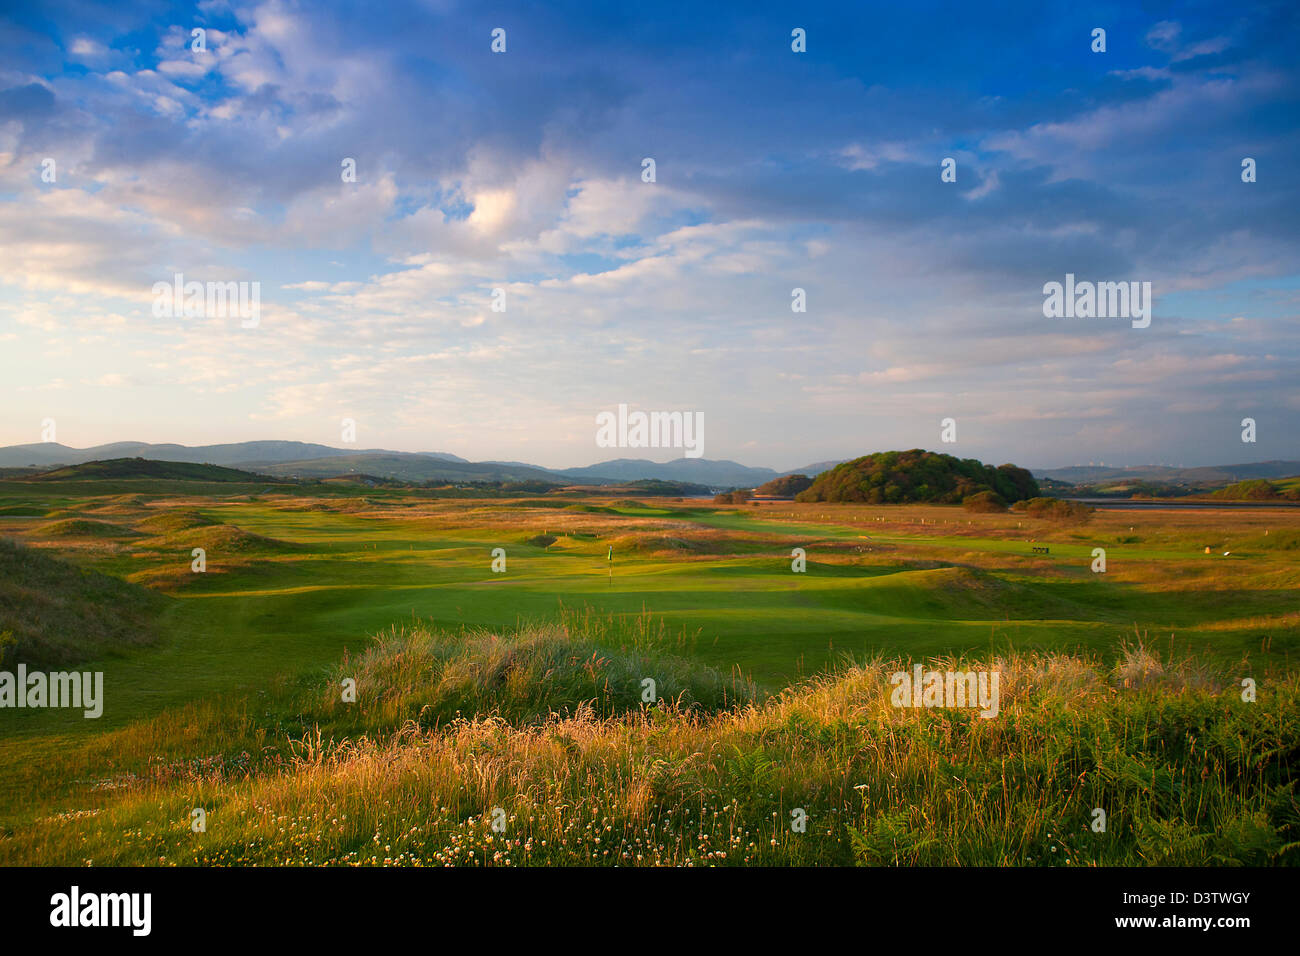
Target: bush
point(738, 497)
point(984, 501)
point(1056, 509)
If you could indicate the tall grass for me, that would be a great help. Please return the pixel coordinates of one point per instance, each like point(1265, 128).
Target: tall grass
point(575, 770)
point(602, 665)
point(55, 613)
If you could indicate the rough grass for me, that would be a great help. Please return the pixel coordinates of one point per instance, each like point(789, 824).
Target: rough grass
point(82, 528)
point(218, 539)
point(434, 677)
point(1186, 771)
point(171, 522)
point(1283, 539)
point(56, 613)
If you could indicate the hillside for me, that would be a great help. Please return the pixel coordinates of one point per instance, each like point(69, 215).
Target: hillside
point(1257, 489)
point(401, 466)
point(117, 468)
point(236, 454)
point(895, 477)
point(311, 460)
point(53, 613)
point(1208, 476)
point(785, 486)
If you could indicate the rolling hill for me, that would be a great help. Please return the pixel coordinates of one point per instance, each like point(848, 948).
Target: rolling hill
point(144, 468)
point(308, 460)
point(408, 467)
point(53, 613)
point(238, 454)
point(1208, 476)
point(917, 475)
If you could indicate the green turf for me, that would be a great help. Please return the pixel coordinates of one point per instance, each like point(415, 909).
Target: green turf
point(295, 583)
point(311, 583)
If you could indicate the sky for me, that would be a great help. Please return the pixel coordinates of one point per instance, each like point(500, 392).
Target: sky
point(774, 170)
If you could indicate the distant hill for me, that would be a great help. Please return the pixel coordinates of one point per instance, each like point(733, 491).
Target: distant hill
point(1207, 476)
point(310, 461)
point(238, 454)
point(1257, 489)
point(143, 468)
point(402, 466)
point(307, 458)
point(894, 477)
point(700, 471)
point(666, 489)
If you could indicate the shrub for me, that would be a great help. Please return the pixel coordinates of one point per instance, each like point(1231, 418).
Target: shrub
point(738, 497)
point(984, 501)
point(1056, 509)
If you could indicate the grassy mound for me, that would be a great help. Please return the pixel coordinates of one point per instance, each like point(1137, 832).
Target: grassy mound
point(895, 477)
point(170, 522)
point(1187, 772)
point(959, 593)
point(56, 614)
point(118, 468)
point(23, 511)
point(81, 528)
point(648, 543)
point(219, 539)
point(436, 676)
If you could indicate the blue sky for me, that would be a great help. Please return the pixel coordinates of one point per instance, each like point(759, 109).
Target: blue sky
point(774, 170)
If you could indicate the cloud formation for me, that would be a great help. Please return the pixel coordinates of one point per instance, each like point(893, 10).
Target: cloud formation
point(522, 172)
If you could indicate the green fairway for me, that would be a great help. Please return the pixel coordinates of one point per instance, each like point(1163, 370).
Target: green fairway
point(296, 581)
point(922, 581)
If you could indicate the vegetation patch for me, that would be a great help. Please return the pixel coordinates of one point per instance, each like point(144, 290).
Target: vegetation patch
point(219, 539)
point(581, 773)
point(82, 528)
point(895, 477)
point(171, 522)
point(436, 676)
point(1056, 509)
point(56, 613)
point(785, 486)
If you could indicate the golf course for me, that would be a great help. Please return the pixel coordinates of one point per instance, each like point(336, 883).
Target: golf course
point(499, 649)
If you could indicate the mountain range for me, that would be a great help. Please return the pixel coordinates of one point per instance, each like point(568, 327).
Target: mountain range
point(1202, 476)
point(309, 460)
